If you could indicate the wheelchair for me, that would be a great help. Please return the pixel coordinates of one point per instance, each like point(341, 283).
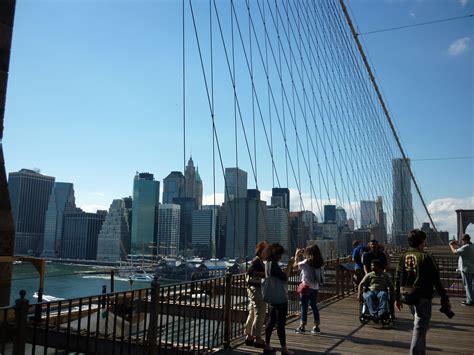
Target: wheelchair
point(365, 316)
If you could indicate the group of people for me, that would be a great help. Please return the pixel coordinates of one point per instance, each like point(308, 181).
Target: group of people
point(416, 277)
point(265, 266)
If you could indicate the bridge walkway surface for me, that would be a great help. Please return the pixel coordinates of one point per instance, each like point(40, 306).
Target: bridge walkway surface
point(342, 333)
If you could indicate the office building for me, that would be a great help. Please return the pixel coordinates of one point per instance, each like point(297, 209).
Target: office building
point(300, 229)
point(351, 224)
point(169, 229)
point(281, 197)
point(204, 231)
point(245, 226)
point(402, 198)
point(381, 220)
point(329, 214)
point(114, 237)
point(173, 186)
point(193, 184)
point(187, 206)
point(146, 197)
point(367, 213)
point(341, 216)
point(80, 234)
point(277, 226)
point(29, 195)
point(235, 184)
point(61, 200)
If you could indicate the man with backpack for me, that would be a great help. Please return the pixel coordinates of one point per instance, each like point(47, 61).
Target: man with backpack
point(357, 250)
point(416, 275)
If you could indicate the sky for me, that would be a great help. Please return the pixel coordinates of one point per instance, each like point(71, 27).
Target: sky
point(95, 94)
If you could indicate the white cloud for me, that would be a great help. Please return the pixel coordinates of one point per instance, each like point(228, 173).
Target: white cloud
point(94, 207)
point(459, 46)
point(412, 14)
point(101, 194)
point(463, 2)
point(443, 212)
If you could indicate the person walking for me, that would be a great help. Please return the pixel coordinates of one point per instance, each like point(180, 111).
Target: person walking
point(465, 265)
point(256, 307)
point(278, 280)
point(312, 278)
point(358, 249)
point(416, 275)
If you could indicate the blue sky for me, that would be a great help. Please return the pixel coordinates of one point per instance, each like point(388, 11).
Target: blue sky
point(95, 94)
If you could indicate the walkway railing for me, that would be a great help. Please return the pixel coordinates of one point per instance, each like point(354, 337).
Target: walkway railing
point(191, 317)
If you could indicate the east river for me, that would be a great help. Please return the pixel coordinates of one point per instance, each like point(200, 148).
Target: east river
point(67, 281)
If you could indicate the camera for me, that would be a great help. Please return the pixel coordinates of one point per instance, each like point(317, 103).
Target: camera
point(453, 241)
point(447, 310)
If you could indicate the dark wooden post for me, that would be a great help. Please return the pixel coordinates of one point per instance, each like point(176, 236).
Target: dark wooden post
point(152, 334)
point(112, 280)
point(227, 308)
point(21, 314)
point(338, 277)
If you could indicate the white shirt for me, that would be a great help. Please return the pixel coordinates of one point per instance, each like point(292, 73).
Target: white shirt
point(311, 276)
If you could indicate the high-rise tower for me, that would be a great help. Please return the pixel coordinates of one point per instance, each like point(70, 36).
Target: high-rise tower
point(235, 184)
point(173, 186)
point(146, 197)
point(367, 213)
point(193, 183)
point(402, 198)
point(29, 195)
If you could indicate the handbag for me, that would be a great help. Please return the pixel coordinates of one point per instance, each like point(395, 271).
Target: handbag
point(274, 290)
point(303, 289)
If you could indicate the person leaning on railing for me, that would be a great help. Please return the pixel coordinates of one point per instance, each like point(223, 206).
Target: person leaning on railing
point(256, 307)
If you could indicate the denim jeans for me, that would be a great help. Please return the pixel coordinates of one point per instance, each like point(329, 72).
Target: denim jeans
point(467, 281)
point(311, 300)
point(422, 315)
point(377, 302)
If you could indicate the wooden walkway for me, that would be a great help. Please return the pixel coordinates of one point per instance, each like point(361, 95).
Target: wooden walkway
point(342, 333)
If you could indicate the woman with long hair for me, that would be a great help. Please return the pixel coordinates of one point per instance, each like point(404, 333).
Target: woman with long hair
point(256, 307)
point(312, 278)
point(278, 311)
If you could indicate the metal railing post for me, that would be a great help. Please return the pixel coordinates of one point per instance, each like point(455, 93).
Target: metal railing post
point(21, 314)
point(227, 308)
point(152, 335)
point(338, 277)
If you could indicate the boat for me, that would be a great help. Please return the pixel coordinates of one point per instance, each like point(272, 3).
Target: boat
point(47, 298)
point(140, 275)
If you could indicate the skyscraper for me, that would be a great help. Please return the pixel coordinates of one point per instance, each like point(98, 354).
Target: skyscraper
point(402, 198)
point(146, 197)
point(61, 200)
point(367, 213)
point(80, 234)
point(281, 197)
point(169, 229)
point(277, 226)
point(187, 206)
point(173, 186)
point(235, 184)
point(341, 216)
point(114, 237)
point(193, 183)
point(245, 226)
point(329, 214)
point(205, 231)
point(381, 219)
point(29, 196)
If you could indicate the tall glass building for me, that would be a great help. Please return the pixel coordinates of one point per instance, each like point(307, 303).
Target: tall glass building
point(60, 200)
point(146, 197)
point(173, 186)
point(402, 198)
point(235, 184)
point(29, 196)
point(168, 229)
point(367, 213)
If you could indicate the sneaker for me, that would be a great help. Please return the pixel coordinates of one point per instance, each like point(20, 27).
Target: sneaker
point(300, 330)
point(465, 303)
point(316, 330)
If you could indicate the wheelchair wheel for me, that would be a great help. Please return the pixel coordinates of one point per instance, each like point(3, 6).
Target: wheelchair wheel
point(364, 318)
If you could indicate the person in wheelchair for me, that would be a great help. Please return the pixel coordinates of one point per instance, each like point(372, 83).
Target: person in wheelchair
point(375, 290)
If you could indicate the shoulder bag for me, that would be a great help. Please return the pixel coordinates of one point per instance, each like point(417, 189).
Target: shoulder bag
point(274, 290)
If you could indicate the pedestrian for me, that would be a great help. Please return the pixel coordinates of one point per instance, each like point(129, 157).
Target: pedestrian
point(374, 253)
point(358, 250)
point(256, 307)
point(465, 265)
point(416, 275)
point(312, 278)
point(275, 292)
